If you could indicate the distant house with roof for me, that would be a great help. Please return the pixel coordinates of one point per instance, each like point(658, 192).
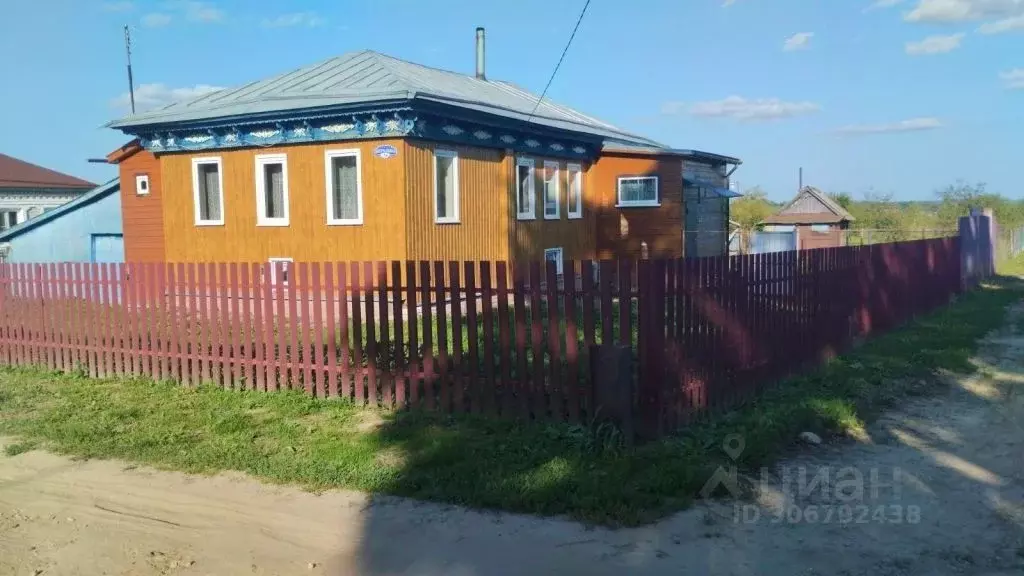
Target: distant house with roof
point(87, 229)
point(28, 190)
point(817, 220)
point(368, 157)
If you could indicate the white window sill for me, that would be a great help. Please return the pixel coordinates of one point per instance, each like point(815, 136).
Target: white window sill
point(209, 222)
point(639, 205)
point(272, 223)
point(525, 217)
point(575, 216)
point(447, 221)
point(552, 217)
point(358, 222)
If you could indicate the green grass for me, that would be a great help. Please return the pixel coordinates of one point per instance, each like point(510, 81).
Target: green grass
point(541, 469)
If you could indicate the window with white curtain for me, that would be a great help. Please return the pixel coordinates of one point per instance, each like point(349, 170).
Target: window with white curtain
point(271, 190)
point(525, 189)
point(208, 191)
point(344, 187)
point(574, 179)
point(446, 187)
point(638, 191)
point(552, 191)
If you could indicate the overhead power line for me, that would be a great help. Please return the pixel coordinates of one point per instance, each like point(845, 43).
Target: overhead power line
point(562, 57)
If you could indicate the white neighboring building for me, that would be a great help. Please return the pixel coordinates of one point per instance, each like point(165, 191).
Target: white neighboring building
point(28, 190)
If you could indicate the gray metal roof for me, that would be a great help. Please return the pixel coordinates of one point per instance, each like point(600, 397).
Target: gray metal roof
point(366, 77)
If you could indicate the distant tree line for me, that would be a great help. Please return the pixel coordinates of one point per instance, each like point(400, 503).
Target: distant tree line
point(901, 219)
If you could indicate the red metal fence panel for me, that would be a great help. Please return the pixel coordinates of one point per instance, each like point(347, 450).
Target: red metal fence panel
point(705, 333)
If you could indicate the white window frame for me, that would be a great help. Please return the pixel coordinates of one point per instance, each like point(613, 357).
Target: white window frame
point(522, 214)
point(549, 164)
point(446, 153)
point(643, 204)
point(329, 155)
point(287, 269)
point(142, 180)
point(263, 160)
point(558, 262)
point(196, 163)
point(574, 212)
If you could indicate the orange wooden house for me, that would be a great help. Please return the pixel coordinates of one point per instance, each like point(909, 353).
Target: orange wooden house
point(367, 157)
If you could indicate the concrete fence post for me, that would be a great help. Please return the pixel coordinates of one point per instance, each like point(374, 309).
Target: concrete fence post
point(612, 367)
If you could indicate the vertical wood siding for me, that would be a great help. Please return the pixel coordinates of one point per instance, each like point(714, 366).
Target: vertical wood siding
point(308, 236)
point(482, 231)
point(142, 216)
point(620, 231)
point(577, 237)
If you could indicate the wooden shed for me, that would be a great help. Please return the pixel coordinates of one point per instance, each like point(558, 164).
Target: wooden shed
point(817, 220)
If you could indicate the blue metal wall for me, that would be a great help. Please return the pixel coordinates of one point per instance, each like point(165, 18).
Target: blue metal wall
point(69, 237)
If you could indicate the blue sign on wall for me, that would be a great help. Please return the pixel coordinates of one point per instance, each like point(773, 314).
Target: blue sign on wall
point(385, 151)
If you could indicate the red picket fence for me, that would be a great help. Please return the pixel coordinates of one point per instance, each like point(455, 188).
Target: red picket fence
point(476, 337)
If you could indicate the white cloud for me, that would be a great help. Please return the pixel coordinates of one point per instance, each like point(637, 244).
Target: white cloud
point(963, 10)
point(739, 108)
point(798, 41)
point(935, 45)
point(122, 6)
point(308, 19)
point(911, 125)
point(148, 96)
point(156, 20)
point(196, 11)
point(1013, 79)
point(1004, 25)
point(882, 4)
point(728, 3)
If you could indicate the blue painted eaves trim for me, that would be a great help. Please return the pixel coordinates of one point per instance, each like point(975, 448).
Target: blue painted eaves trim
point(90, 197)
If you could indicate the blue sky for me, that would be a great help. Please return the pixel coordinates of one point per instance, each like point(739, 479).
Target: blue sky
point(890, 96)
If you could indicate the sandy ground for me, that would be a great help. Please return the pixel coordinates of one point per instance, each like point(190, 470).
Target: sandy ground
point(954, 506)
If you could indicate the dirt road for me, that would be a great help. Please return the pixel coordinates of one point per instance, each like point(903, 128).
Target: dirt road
point(936, 488)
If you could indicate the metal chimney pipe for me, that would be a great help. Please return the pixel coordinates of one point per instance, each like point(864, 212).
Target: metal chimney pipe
point(480, 53)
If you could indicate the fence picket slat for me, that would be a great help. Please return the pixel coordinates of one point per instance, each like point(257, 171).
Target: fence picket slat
point(345, 385)
point(555, 392)
point(415, 363)
point(571, 384)
point(385, 351)
point(206, 288)
point(607, 279)
point(537, 385)
point(265, 375)
point(302, 291)
point(235, 328)
point(472, 372)
point(625, 292)
point(358, 372)
point(521, 380)
point(489, 395)
point(332, 330)
point(426, 297)
point(319, 387)
point(158, 320)
point(245, 300)
point(370, 323)
point(441, 316)
point(401, 365)
point(506, 399)
point(458, 384)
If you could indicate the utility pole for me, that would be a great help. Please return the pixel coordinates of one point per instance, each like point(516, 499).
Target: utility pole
point(128, 53)
point(801, 178)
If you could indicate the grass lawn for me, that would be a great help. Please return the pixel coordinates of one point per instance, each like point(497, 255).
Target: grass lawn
point(541, 469)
